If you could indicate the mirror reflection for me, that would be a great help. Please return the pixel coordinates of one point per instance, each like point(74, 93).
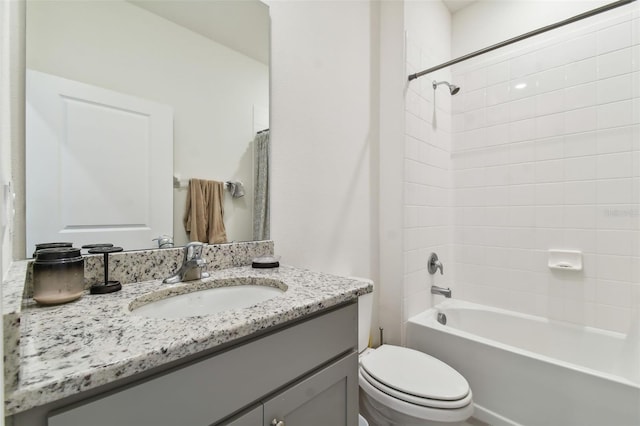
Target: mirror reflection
point(129, 100)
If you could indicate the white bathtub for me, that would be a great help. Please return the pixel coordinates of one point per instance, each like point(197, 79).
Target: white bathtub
point(527, 370)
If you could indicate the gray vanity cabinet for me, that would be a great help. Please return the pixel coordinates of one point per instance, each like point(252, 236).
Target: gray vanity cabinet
point(303, 374)
point(327, 397)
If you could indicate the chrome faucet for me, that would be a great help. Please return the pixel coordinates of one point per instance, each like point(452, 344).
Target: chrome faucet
point(192, 265)
point(446, 292)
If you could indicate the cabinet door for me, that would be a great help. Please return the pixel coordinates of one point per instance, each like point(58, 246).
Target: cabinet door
point(251, 418)
point(328, 397)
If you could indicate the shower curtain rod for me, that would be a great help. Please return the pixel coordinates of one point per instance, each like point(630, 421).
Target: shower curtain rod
point(541, 30)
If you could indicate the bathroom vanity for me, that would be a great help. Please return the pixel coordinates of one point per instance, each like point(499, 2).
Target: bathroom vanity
point(290, 359)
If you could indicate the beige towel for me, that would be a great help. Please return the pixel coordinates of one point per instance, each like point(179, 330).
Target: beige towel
point(203, 216)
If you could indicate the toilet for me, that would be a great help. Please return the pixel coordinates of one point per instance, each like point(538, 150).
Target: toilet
point(404, 387)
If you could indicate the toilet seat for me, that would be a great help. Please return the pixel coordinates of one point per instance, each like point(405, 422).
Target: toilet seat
point(415, 377)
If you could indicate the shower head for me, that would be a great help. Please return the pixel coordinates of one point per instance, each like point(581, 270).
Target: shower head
point(453, 89)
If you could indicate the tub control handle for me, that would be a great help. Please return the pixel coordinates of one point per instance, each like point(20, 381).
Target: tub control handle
point(276, 422)
point(433, 264)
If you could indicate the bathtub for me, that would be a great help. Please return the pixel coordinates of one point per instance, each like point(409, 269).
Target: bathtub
point(527, 370)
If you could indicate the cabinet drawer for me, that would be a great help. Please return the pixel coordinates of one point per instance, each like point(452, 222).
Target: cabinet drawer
point(209, 390)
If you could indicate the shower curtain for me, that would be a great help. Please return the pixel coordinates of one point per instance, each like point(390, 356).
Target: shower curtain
point(261, 186)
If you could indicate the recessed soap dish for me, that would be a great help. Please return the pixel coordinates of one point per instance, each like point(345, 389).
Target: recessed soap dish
point(568, 260)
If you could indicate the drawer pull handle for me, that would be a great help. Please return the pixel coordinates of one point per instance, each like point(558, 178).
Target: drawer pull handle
point(275, 422)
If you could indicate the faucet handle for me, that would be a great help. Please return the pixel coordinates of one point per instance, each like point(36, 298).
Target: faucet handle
point(193, 250)
point(433, 264)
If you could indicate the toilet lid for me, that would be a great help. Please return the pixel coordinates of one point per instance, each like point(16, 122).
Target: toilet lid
point(415, 373)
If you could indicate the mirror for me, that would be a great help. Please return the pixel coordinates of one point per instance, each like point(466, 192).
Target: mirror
point(207, 61)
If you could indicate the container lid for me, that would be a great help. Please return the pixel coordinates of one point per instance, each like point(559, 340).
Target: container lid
point(59, 253)
point(415, 373)
point(52, 245)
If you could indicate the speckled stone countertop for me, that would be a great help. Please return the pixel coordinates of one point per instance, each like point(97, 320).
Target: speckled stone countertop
point(95, 340)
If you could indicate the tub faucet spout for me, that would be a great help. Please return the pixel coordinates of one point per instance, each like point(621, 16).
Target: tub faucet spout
point(446, 292)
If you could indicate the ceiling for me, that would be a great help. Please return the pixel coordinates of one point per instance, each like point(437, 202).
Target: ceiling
point(456, 5)
point(239, 25)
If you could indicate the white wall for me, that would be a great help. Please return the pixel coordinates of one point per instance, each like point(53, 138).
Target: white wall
point(487, 22)
point(212, 89)
point(427, 176)
point(554, 164)
point(324, 203)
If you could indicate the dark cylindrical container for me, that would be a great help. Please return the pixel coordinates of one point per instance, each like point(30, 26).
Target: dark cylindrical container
point(43, 246)
point(58, 275)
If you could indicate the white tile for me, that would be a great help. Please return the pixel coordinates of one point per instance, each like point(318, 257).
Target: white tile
point(523, 130)
point(549, 126)
point(523, 65)
point(580, 239)
point(616, 114)
point(521, 109)
point(613, 318)
point(550, 80)
point(522, 173)
point(497, 135)
point(616, 242)
point(474, 100)
point(497, 114)
point(496, 176)
point(580, 168)
point(615, 268)
point(614, 38)
point(618, 139)
point(615, 191)
point(581, 96)
point(580, 192)
point(474, 119)
point(635, 57)
point(496, 216)
point(521, 152)
point(522, 195)
point(496, 155)
point(496, 196)
point(619, 216)
point(615, 89)
point(475, 79)
point(615, 166)
point(551, 56)
point(520, 259)
point(580, 217)
point(549, 149)
point(582, 47)
point(550, 102)
point(523, 87)
point(579, 312)
point(615, 63)
point(523, 217)
point(581, 72)
point(497, 73)
point(549, 194)
point(549, 217)
point(549, 238)
point(581, 120)
point(497, 93)
point(580, 144)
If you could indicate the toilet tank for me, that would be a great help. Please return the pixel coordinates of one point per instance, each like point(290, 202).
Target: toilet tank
point(365, 313)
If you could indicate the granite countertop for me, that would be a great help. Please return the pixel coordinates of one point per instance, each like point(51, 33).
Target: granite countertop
point(66, 349)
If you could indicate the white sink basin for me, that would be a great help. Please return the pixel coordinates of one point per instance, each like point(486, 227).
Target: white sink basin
point(206, 301)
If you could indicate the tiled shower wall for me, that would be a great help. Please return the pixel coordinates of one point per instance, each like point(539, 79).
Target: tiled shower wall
point(545, 155)
point(427, 159)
